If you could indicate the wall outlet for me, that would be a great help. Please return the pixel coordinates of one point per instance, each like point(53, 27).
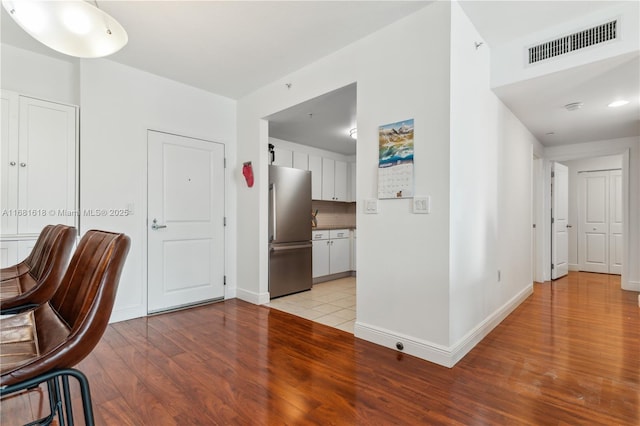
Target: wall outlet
point(422, 205)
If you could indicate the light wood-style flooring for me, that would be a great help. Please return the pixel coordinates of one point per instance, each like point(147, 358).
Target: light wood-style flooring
point(569, 355)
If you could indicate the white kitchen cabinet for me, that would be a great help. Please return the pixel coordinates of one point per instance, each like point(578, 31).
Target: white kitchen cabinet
point(315, 167)
point(282, 157)
point(339, 251)
point(340, 181)
point(300, 160)
point(331, 252)
point(39, 164)
point(334, 180)
point(328, 179)
point(320, 253)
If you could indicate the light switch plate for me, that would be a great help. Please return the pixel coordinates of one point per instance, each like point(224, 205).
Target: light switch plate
point(371, 206)
point(421, 205)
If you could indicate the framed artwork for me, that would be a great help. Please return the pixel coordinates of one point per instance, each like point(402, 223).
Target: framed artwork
point(395, 160)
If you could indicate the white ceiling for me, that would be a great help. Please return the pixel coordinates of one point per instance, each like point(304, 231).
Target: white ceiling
point(234, 47)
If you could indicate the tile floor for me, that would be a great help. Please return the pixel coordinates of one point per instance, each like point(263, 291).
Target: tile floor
point(332, 303)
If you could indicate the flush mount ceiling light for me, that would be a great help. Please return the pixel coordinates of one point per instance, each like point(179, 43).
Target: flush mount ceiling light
point(573, 106)
point(354, 133)
point(72, 27)
point(619, 103)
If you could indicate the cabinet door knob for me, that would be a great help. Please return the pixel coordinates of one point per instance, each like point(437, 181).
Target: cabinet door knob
point(12, 163)
point(23, 164)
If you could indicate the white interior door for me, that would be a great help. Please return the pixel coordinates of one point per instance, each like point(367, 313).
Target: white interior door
point(559, 221)
point(185, 221)
point(615, 222)
point(593, 235)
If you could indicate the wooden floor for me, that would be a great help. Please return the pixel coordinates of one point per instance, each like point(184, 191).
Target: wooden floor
point(569, 355)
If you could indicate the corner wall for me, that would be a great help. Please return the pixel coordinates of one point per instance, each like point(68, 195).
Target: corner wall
point(491, 160)
point(402, 72)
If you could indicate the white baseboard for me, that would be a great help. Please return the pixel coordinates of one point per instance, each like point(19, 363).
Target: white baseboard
point(631, 285)
point(127, 314)
point(472, 338)
point(417, 347)
point(252, 297)
point(574, 267)
point(433, 352)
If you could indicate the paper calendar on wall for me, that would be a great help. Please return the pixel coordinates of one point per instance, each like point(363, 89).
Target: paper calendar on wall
point(395, 164)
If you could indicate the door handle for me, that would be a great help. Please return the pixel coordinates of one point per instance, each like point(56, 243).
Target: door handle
point(274, 222)
point(155, 226)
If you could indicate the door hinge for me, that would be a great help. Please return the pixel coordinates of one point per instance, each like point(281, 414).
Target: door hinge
point(225, 162)
point(224, 221)
point(224, 280)
point(553, 220)
point(553, 266)
point(553, 174)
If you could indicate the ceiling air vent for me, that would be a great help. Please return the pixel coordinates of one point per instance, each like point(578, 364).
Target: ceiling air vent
point(571, 42)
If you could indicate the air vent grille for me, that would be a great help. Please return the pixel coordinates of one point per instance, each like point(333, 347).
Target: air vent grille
point(571, 42)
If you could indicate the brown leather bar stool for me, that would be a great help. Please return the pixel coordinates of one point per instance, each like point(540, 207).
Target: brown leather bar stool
point(33, 281)
point(43, 345)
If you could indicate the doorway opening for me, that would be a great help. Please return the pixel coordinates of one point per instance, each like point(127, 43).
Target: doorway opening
point(319, 135)
point(596, 203)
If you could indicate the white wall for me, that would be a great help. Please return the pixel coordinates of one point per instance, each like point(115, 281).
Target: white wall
point(576, 166)
point(118, 105)
point(509, 61)
point(629, 148)
point(491, 157)
point(471, 157)
point(39, 75)
point(401, 73)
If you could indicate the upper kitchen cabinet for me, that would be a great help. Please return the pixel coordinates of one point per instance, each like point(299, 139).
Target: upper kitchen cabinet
point(334, 180)
point(315, 167)
point(39, 164)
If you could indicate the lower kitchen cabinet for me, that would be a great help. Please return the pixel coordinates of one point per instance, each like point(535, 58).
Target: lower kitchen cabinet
point(331, 252)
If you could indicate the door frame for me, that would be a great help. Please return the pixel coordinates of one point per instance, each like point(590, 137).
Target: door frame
point(576, 153)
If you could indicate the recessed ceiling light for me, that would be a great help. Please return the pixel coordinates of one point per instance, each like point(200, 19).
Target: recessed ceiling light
point(573, 106)
point(619, 103)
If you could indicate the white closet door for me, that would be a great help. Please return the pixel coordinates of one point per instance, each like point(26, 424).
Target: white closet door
point(46, 165)
point(593, 239)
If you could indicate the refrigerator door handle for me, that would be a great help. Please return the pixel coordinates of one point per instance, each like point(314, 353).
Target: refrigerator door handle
point(273, 212)
point(293, 247)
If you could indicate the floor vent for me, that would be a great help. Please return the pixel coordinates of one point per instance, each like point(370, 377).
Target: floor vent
point(571, 42)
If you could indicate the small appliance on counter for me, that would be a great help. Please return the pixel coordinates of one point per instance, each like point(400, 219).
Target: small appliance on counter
point(289, 231)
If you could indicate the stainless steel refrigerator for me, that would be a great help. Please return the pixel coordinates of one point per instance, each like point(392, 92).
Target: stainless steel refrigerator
point(289, 231)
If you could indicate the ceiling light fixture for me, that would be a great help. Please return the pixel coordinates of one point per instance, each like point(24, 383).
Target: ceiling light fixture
point(573, 106)
point(72, 27)
point(354, 133)
point(619, 103)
